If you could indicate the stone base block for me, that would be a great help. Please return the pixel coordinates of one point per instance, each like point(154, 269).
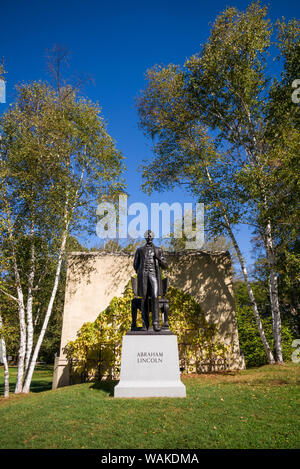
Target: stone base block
point(61, 374)
point(150, 367)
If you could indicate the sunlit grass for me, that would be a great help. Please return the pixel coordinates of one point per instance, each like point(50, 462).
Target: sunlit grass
point(257, 408)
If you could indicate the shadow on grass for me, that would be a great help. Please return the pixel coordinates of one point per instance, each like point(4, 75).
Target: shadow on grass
point(36, 386)
point(40, 386)
point(106, 386)
point(41, 381)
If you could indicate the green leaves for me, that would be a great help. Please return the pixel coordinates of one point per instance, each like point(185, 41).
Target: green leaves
point(228, 133)
point(54, 148)
point(250, 342)
point(56, 161)
point(97, 350)
point(218, 114)
point(225, 131)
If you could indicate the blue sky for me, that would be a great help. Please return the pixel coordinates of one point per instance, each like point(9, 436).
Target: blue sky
point(115, 42)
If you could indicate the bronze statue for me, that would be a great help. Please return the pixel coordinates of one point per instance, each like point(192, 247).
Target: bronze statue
point(148, 260)
point(136, 304)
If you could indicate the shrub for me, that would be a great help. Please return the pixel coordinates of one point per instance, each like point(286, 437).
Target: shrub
point(250, 341)
point(96, 352)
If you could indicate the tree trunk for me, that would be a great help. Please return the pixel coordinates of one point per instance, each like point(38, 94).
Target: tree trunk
point(29, 343)
point(273, 283)
point(31, 368)
point(5, 364)
point(68, 213)
point(273, 291)
point(246, 277)
point(29, 303)
point(19, 300)
point(22, 350)
point(252, 299)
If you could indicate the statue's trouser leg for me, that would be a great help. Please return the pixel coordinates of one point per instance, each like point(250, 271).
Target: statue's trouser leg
point(133, 313)
point(154, 300)
point(166, 314)
point(145, 309)
point(145, 313)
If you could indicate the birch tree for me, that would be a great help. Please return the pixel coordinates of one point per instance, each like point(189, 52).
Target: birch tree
point(4, 359)
point(210, 128)
point(2, 70)
point(2, 337)
point(57, 159)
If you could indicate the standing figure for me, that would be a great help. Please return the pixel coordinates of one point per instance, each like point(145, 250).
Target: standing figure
point(148, 260)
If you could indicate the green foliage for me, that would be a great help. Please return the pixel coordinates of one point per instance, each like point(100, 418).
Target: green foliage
point(289, 272)
point(250, 341)
point(199, 348)
point(217, 120)
point(249, 338)
point(10, 333)
point(260, 291)
point(97, 350)
point(56, 161)
point(222, 127)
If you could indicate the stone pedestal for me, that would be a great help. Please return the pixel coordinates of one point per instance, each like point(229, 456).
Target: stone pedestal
point(61, 374)
point(150, 366)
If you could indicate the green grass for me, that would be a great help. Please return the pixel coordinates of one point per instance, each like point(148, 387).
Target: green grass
point(42, 379)
point(256, 408)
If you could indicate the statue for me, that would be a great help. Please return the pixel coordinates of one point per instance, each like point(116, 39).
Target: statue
point(136, 304)
point(148, 260)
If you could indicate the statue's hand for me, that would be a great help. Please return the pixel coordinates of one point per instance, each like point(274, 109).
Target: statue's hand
point(161, 258)
point(157, 253)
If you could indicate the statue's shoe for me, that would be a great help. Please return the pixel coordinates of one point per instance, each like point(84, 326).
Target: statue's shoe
point(156, 327)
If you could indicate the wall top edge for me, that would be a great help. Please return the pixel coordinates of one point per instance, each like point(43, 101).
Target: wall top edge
point(168, 253)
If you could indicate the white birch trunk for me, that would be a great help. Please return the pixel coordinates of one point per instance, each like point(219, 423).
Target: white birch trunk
point(273, 284)
point(33, 360)
point(5, 363)
point(22, 323)
point(21, 308)
point(68, 213)
point(273, 291)
point(21, 311)
point(30, 328)
point(252, 300)
point(246, 277)
point(22, 348)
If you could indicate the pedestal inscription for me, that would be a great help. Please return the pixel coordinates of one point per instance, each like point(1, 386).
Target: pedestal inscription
point(150, 367)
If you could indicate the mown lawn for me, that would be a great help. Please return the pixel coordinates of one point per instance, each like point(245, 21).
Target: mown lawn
point(42, 379)
point(256, 408)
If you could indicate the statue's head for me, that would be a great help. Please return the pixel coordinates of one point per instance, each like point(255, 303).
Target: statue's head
point(149, 236)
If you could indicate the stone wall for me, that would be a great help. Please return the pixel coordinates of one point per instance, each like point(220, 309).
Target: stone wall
point(93, 279)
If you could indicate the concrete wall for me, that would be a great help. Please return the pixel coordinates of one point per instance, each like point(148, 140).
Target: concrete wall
point(93, 279)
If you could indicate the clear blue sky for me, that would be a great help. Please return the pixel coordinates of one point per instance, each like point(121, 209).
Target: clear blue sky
point(115, 42)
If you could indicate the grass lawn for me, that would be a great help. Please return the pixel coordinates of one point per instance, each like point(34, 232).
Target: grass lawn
point(256, 408)
point(42, 379)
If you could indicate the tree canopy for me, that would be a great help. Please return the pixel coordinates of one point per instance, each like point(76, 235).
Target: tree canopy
point(57, 161)
point(226, 130)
